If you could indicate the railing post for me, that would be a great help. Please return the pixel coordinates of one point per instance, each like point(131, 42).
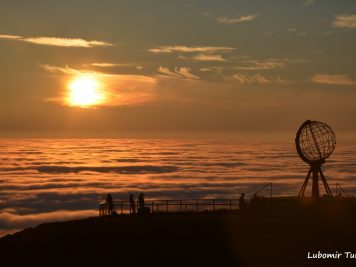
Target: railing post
point(230, 205)
point(167, 206)
point(152, 206)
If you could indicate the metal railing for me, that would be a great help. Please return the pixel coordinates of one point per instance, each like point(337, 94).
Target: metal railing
point(339, 191)
point(182, 205)
point(172, 205)
point(263, 188)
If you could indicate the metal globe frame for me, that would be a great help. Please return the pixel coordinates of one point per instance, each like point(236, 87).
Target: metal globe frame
point(315, 141)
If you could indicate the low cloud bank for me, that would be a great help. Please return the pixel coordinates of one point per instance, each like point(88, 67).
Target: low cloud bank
point(10, 221)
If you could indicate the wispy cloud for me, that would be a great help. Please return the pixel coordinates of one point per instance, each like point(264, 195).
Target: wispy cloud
point(185, 72)
point(308, 2)
point(218, 70)
point(113, 65)
point(182, 72)
point(266, 64)
point(57, 41)
point(235, 20)
point(66, 42)
point(208, 57)
point(292, 30)
point(168, 72)
point(333, 79)
point(268, 33)
point(65, 70)
point(107, 65)
point(302, 33)
point(11, 37)
point(257, 78)
point(190, 49)
point(345, 21)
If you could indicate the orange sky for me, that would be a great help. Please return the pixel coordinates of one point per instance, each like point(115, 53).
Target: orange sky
point(161, 67)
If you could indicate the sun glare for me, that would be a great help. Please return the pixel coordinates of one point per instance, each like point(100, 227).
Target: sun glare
point(85, 91)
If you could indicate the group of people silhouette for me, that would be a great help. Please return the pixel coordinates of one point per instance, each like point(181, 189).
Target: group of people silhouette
point(111, 206)
point(141, 209)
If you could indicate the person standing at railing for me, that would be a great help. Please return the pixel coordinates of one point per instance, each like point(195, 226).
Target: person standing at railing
point(242, 201)
point(141, 200)
point(110, 204)
point(132, 204)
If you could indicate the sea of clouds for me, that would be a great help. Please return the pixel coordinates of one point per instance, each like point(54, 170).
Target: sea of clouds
point(43, 180)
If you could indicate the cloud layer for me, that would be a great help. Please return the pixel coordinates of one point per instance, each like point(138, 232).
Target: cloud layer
point(64, 179)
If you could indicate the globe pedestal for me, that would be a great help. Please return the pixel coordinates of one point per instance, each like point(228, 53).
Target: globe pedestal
point(316, 171)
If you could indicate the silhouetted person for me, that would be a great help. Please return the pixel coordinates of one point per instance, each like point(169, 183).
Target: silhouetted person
point(242, 201)
point(254, 200)
point(110, 204)
point(141, 200)
point(132, 204)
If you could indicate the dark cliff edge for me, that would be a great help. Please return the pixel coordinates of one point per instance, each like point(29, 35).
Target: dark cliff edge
point(277, 232)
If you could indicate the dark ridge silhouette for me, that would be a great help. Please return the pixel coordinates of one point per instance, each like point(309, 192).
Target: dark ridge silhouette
point(274, 232)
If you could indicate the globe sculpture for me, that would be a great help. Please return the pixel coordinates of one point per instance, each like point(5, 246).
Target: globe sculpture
point(315, 141)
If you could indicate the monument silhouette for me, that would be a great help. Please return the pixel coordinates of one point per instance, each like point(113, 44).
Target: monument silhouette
point(315, 141)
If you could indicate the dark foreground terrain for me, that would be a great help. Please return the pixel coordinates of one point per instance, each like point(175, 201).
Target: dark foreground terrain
point(272, 233)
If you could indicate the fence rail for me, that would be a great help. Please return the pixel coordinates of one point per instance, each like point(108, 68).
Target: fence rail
point(184, 205)
point(171, 205)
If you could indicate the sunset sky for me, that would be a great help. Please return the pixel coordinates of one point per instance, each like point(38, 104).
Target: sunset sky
point(104, 67)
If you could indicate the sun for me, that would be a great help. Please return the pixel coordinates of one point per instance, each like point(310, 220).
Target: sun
point(85, 91)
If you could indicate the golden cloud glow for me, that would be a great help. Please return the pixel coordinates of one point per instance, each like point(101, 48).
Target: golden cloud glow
point(182, 72)
point(345, 21)
point(190, 49)
point(334, 79)
point(56, 41)
point(85, 91)
point(208, 57)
